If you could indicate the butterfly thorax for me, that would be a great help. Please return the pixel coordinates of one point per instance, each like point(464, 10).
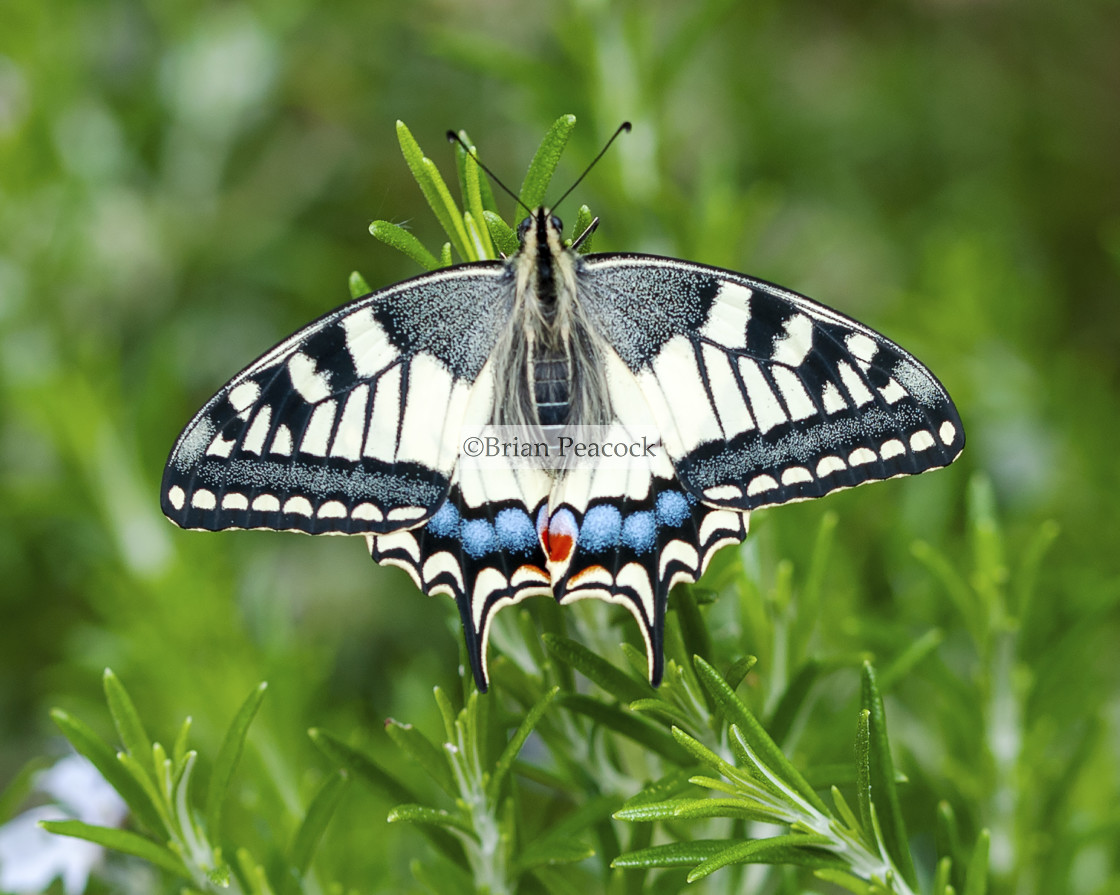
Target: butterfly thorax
point(549, 361)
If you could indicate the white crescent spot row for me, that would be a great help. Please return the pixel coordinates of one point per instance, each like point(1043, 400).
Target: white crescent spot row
point(206, 499)
point(922, 440)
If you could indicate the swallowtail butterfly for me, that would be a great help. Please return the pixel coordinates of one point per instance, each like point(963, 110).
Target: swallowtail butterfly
point(352, 425)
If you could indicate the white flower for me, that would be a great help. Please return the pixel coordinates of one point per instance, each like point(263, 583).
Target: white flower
point(31, 858)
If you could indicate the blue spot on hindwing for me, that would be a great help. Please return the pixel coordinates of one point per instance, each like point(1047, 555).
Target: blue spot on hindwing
point(672, 509)
point(445, 522)
point(515, 531)
point(639, 531)
point(601, 528)
point(478, 537)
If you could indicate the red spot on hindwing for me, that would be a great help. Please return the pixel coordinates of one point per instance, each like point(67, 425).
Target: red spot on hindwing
point(558, 536)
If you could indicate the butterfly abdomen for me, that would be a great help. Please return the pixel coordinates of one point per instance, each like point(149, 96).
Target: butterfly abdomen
point(551, 391)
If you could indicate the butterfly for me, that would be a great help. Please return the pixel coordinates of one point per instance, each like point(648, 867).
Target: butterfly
point(353, 425)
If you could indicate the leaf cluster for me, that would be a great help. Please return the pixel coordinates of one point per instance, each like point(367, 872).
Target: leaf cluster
point(175, 828)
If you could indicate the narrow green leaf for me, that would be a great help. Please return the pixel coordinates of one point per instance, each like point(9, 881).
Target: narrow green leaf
point(734, 788)
point(650, 811)
point(122, 841)
point(87, 743)
point(960, 594)
point(545, 160)
point(845, 880)
point(817, 573)
point(582, 222)
point(166, 773)
point(19, 788)
point(942, 878)
point(478, 237)
point(194, 841)
point(319, 813)
point(181, 747)
point(446, 712)
point(445, 255)
point(947, 835)
point(503, 235)
point(358, 284)
point(513, 747)
point(670, 785)
point(158, 795)
point(910, 657)
point(421, 814)
point(396, 237)
point(987, 538)
point(738, 671)
point(1036, 550)
point(435, 190)
point(424, 752)
point(844, 809)
point(127, 721)
point(884, 793)
point(639, 663)
point(595, 668)
point(694, 630)
point(635, 727)
point(736, 808)
point(736, 712)
point(701, 752)
point(794, 848)
point(228, 756)
point(673, 854)
point(451, 218)
point(748, 766)
point(253, 873)
point(976, 876)
point(863, 776)
point(474, 740)
point(361, 765)
point(662, 708)
point(470, 181)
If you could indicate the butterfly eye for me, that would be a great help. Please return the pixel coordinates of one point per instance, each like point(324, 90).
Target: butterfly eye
point(556, 224)
point(523, 228)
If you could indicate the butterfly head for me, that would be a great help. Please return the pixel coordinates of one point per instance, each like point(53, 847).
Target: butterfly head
point(538, 227)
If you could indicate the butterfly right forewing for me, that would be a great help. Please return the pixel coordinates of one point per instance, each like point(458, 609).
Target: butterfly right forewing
point(350, 426)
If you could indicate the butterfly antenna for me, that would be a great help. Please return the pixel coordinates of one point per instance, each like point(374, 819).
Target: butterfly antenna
point(453, 137)
point(624, 127)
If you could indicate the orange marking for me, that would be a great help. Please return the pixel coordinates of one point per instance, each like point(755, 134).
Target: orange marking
point(559, 546)
point(530, 571)
point(583, 573)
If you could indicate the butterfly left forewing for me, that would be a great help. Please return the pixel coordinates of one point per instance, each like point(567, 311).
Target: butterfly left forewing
point(764, 396)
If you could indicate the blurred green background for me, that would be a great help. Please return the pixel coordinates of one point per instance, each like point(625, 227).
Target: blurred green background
point(183, 184)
